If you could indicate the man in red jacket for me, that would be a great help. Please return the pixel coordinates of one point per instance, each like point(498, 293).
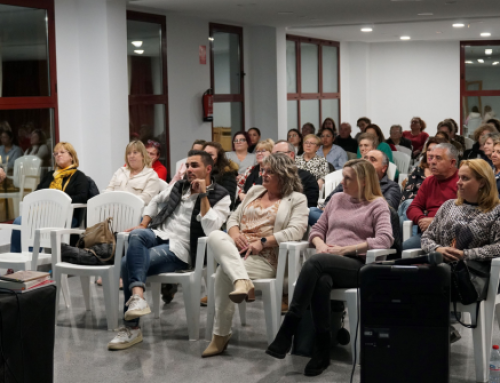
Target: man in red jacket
point(434, 191)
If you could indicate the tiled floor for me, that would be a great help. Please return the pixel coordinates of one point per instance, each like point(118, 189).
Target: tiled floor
point(166, 355)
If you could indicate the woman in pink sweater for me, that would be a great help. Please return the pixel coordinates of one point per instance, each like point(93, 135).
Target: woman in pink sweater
point(354, 222)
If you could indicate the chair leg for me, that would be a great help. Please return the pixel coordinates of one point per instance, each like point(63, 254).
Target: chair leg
point(352, 308)
point(155, 296)
point(269, 299)
point(209, 329)
point(481, 354)
point(242, 308)
point(85, 282)
point(193, 322)
point(57, 280)
point(64, 286)
point(109, 306)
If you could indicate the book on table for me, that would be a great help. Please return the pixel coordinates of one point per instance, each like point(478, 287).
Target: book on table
point(21, 281)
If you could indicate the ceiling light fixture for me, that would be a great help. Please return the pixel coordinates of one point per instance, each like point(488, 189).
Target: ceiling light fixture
point(137, 44)
point(485, 34)
point(405, 37)
point(458, 25)
point(488, 51)
point(366, 29)
point(469, 62)
point(495, 63)
point(139, 51)
point(211, 39)
point(480, 61)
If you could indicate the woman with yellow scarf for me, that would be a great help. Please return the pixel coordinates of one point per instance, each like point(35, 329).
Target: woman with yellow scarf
point(66, 177)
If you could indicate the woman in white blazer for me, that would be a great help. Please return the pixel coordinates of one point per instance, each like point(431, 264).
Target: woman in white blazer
point(137, 176)
point(271, 213)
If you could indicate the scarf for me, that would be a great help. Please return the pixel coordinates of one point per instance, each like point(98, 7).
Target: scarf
point(59, 175)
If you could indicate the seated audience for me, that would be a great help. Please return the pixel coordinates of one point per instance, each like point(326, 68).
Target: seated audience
point(448, 127)
point(416, 135)
point(454, 135)
point(154, 150)
point(67, 178)
point(362, 123)
point(310, 161)
point(344, 139)
point(39, 147)
point(495, 159)
point(309, 184)
point(240, 155)
point(445, 137)
point(197, 145)
point(334, 154)
point(167, 238)
point(329, 123)
point(490, 141)
point(341, 246)
point(396, 137)
point(434, 191)
point(136, 176)
point(254, 136)
point(477, 149)
point(9, 152)
point(270, 214)
point(224, 171)
point(382, 146)
point(253, 174)
point(295, 138)
point(308, 128)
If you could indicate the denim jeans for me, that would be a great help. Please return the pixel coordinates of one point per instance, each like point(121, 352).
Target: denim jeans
point(413, 242)
point(402, 215)
point(147, 255)
point(314, 214)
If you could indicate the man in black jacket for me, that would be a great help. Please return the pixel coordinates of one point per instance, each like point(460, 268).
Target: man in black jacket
point(344, 139)
point(309, 183)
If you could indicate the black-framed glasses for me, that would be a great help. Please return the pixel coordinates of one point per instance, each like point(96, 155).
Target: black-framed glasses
point(310, 143)
point(283, 152)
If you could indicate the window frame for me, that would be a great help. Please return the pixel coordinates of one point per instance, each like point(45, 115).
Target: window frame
point(320, 95)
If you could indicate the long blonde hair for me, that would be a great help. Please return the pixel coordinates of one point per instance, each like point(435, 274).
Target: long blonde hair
point(365, 171)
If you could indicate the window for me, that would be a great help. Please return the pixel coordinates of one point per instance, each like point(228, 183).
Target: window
point(28, 96)
point(312, 81)
point(147, 80)
point(479, 83)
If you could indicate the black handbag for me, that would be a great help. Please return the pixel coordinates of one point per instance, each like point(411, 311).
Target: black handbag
point(469, 281)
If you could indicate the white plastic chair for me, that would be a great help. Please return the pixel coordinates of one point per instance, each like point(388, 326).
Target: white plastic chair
point(401, 178)
point(391, 170)
point(407, 230)
point(468, 143)
point(403, 149)
point(272, 291)
point(332, 180)
point(163, 185)
point(482, 334)
point(402, 161)
point(126, 210)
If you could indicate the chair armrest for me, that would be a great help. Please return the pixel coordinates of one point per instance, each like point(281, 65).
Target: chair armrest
point(407, 230)
point(378, 255)
point(298, 245)
point(411, 253)
point(59, 231)
point(78, 205)
point(9, 226)
point(321, 202)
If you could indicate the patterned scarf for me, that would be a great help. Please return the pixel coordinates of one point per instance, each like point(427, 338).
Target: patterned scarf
point(59, 175)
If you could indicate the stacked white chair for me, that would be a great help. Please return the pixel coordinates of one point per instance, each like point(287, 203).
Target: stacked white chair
point(402, 161)
point(403, 149)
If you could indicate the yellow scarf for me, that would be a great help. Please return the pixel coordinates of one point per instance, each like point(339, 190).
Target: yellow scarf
point(59, 174)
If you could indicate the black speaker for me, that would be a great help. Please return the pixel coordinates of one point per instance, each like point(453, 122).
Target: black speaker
point(405, 315)
point(27, 328)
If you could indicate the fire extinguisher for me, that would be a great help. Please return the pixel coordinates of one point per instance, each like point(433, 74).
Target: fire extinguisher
point(208, 106)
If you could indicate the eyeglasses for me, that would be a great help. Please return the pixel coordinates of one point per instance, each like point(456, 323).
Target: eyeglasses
point(283, 152)
point(261, 151)
point(59, 153)
point(293, 135)
point(310, 143)
point(154, 143)
point(240, 140)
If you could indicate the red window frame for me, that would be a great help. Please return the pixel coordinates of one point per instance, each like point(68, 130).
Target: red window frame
point(41, 102)
point(313, 96)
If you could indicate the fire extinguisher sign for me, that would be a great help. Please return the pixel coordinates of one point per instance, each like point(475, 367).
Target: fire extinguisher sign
point(203, 54)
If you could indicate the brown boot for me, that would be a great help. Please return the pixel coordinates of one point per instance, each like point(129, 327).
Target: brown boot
point(243, 290)
point(216, 346)
point(204, 301)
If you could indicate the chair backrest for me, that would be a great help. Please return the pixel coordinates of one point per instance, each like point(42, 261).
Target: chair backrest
point(403, 149)
point(402, 161)
point(44, 208)
point(468, 143)
point(163, 185)
point(351, 156)
point(391, 171)
point(125, 208)
point(332, 180)
point(29, 166)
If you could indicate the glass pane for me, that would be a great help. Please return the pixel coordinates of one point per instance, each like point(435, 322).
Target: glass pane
point(291, 67)
point(478, 110)
point(24, 65)
point(330, 108)
point(227, 121)
point(309, 67)
point(309, 112)
point(292, 114)
point(330, 70)
point(144, 58)
point(147, 122)
point(22, 133)
point(482, 67)
point(226, 63)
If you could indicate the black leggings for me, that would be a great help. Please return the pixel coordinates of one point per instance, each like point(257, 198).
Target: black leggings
point(319, 275)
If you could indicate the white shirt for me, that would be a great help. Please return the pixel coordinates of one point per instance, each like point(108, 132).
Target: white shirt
point(177, 227)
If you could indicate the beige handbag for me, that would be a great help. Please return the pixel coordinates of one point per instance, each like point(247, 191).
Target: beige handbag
point(99, 234)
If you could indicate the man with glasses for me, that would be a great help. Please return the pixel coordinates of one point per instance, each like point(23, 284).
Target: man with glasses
point(344, 139)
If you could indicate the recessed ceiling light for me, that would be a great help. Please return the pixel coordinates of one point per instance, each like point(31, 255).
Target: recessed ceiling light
point(485, 34)
point(137, 44)
point(488, 51)
point(139, 51)
point(211, 39)
point(480, 61)
point(425, 14)
point(366, 29)
point(405, 37)
point(458, 25)
point(469, 62)
point(495, 63)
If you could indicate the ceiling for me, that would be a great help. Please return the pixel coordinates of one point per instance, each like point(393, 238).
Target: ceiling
point(342, 19)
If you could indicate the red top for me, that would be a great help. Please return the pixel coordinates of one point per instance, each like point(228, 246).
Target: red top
point(417, 141)
point(160, 170)
point(431, 195)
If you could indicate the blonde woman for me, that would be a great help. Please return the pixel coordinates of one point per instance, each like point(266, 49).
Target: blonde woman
point(341, 246)
point(310, 161)
point(137, 176)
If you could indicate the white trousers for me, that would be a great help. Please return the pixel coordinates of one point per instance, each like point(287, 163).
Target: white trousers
point(231, 268)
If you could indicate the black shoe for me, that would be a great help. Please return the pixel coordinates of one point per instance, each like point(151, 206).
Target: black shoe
point(282, 344)
point(321, 357)
point(167, 292)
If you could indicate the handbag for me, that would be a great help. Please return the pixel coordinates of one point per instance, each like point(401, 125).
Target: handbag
point(470, 282)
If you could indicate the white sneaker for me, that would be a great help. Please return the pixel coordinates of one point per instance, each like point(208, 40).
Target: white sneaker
point(137, 307)
point(125, 338)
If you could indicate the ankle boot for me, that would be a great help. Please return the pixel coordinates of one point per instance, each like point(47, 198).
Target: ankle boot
point(283, 341)
point(243, 290)
point(216, 346)
point(321, 357)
